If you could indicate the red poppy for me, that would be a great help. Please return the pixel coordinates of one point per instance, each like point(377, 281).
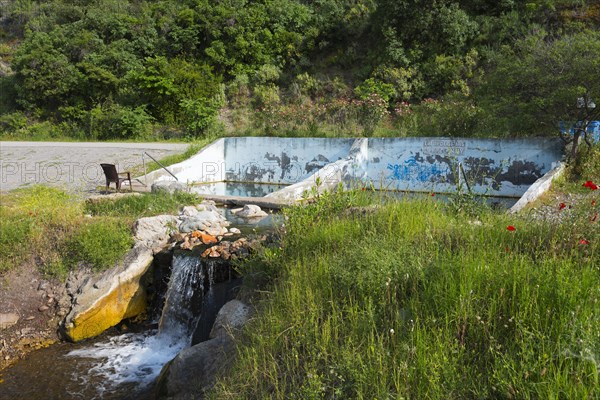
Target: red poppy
point(591, 185)
point(511, 228)
point(561, 206)
point(593, 202)
point(583, 241)
point(432, 194)
point(594, 218)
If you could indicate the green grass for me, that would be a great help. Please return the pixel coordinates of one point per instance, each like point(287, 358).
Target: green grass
point(48, 226)
point(418, 301)
point(147, 204)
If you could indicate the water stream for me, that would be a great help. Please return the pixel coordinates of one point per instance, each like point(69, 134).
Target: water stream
point(121, 366)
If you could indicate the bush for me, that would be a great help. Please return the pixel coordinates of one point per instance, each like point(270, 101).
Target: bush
point(114, 121)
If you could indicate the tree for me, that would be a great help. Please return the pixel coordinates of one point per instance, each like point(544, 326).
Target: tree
point(543, 81)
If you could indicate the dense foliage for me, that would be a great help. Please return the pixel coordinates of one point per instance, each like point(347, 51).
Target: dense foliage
point(124, 68)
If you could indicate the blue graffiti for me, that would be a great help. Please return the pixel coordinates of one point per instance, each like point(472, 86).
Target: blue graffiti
point(412, 170)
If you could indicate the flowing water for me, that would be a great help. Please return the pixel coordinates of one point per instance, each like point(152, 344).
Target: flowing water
point(122, 366)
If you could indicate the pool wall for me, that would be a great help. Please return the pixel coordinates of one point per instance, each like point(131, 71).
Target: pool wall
point(494, 167)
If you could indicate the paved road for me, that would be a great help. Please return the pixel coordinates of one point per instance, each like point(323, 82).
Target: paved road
point(73, 166)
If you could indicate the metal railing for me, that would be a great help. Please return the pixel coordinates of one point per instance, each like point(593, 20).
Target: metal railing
point(159, 163)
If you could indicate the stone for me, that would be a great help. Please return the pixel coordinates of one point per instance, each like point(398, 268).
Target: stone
point(30, 318)
point(168, 187)
point(7, 320)
point(43, 285)
point(208, 205)
point(210, 222)
point(231, 317)
point(235, 231)
point(27, 331)
point(250, 211)
point(43, 308)
point(155, 231)
point(204, 237)
point(193, 371)
point(118, 295)
point(188, 211)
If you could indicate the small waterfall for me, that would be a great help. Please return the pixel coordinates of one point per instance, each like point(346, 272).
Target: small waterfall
point(183, 300)
point(139, 357)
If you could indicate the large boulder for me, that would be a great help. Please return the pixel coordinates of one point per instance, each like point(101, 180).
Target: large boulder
point(231, 318)
point(155, 231)
point(104, 301)
point(193, 371)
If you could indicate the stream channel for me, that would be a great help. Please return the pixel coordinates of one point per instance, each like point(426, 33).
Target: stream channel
point(124, 362)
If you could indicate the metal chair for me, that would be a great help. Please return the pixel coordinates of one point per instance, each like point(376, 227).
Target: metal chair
point(110, 171)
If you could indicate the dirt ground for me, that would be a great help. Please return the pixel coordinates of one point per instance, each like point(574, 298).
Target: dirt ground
point(40, 305)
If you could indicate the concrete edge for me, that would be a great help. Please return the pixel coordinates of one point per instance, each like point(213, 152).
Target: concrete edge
point(538, 188)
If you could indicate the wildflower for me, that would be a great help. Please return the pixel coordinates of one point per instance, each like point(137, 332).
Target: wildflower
point(432, 194)
point(594, 218)
point(593, 202)
point(511, 228)
point(584, 242)
point(392, 331)
point(591, 185)
point(562, 206)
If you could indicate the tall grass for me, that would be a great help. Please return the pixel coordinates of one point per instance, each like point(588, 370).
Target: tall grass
point(415, 301)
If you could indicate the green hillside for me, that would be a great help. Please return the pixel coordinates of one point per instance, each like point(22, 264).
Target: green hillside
point(133, 69)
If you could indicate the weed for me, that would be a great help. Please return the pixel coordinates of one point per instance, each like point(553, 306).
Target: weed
point(133, 207)
point(415, 301)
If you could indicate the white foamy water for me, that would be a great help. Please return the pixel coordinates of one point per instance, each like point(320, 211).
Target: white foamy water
point(130, 358)
point(139, 357)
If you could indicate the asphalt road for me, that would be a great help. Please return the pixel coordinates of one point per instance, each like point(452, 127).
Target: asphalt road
point(72, 166)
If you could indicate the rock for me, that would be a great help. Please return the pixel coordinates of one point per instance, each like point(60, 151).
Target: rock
point(30, 318)
point(235, 231)
point(43, 285)
point(168, 187)
point(118, 295)
point(7, 320)
point(43, 308)
point(208, 205)
point(155, 231)
point(193, 371)
point(231, 317)
point(250, 211)
point(188, 211)
point(204, 237)
point(26, 331)
point(210, 222)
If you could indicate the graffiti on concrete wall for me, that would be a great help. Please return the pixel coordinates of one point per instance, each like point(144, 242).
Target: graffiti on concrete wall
point(420, 169)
